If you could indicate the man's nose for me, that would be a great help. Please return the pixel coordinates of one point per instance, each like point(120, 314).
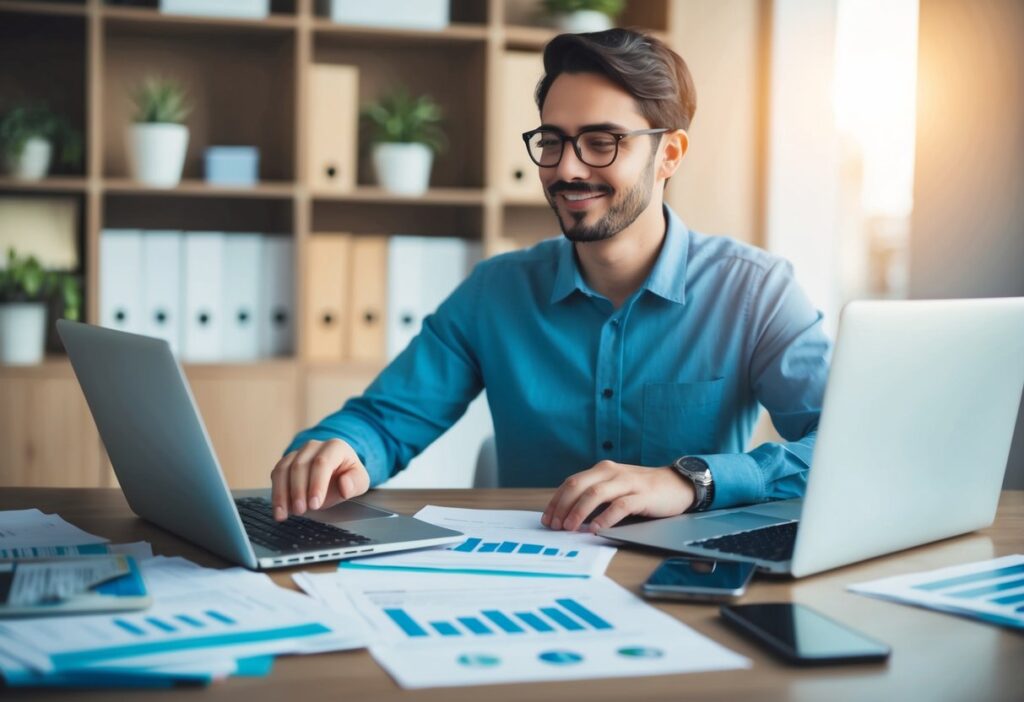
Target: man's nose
point(571, 167)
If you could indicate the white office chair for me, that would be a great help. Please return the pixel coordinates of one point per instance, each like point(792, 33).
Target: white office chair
point(486, 475)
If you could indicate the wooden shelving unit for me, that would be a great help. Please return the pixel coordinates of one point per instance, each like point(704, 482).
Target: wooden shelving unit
point(249, 79)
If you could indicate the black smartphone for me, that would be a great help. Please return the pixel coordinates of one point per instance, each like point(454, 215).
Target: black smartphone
point(699, 579)
point(801, 635)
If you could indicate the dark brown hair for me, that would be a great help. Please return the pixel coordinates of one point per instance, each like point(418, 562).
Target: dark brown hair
point(642, 65)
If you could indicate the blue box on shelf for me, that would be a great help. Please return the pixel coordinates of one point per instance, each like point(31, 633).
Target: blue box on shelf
point(232, 165)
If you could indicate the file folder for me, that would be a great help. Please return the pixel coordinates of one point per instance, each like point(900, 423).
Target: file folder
point(326, 315)
point(277, 297)
point(121, 280)
point(243, 258)
point(204, 285)
point(405, 290)
point(333, 127)
point(422, 272)
point(161, 286)
point(518, 174)
point(369, 298)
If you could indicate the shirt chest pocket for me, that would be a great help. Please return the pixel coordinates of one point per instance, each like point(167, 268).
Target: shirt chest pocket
point(680, 419)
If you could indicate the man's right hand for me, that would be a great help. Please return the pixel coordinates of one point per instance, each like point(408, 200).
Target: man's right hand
point(319, 474)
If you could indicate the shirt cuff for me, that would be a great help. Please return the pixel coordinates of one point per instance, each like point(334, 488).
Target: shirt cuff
point(738, 479)
point(372, 459)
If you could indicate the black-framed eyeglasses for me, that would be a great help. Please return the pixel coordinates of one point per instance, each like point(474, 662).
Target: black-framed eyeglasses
point(598, 148)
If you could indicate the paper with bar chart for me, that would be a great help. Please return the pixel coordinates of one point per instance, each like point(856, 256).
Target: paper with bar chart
point(198, 614)
point(992, 591)
point(439, 629)
point(506, 542)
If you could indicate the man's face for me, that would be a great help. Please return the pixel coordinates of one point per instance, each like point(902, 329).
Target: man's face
point(593, 204)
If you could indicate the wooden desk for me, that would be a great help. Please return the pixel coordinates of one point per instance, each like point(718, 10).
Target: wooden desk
point(935, 656)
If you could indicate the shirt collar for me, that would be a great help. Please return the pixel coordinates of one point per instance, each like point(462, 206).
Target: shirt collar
point(666, 280)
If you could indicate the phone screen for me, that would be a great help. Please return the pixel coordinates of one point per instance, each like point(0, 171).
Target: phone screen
point(700, 573)
point(802, 633)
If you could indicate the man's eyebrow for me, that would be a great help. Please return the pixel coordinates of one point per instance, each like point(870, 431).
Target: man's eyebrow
point(602, 126)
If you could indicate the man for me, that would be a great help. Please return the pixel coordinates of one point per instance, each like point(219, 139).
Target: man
point(624, 361)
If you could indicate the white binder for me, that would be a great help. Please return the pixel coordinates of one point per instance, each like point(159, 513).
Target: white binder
point(243, 258)
point(405, 285)
point(161, 286)
point(121, 279)
point(203, 280)
point(422, 272)
point(277, 297)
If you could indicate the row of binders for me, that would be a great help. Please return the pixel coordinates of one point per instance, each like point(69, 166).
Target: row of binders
point(368, 294)
point(230, 297)
point(213, 296)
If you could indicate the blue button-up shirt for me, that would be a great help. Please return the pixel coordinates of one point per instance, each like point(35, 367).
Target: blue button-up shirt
point(718, 328)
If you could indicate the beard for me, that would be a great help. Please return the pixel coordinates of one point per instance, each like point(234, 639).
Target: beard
point(621, 213)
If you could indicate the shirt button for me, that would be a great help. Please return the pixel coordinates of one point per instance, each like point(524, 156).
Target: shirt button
point(615, 322)
point(607, 392)
point(607, 445)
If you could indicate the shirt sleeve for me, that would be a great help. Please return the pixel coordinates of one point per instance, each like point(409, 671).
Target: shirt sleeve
point(417, 397)
point(789, 360)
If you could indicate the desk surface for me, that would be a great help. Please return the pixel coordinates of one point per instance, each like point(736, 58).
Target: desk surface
point(935, 656)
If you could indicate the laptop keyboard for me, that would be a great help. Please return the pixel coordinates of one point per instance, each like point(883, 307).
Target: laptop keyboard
point(293, 535)
point(770, 543)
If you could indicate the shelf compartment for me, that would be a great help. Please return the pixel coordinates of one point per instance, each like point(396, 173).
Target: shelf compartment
point(44, 58)
point(464, 221)
point(434, 196)
point(424, 69)
point(44, 7)
point(242, 92)
point(189, 212)
point(282, 16)
point(200, 188)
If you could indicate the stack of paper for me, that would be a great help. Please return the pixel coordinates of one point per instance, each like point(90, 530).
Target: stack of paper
point(992, 591)
point(202, 623)
point(506, 542)
point(465, 615)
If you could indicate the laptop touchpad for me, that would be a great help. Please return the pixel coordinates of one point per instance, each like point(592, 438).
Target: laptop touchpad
point(741, 520)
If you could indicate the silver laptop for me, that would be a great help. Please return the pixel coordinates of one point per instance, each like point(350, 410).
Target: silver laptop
point(912, 444)
point(164, 460)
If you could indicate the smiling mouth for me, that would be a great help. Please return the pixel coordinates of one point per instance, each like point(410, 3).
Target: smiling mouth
point(578, 200)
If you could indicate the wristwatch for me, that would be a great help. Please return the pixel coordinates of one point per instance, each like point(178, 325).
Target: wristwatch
point(697, 471)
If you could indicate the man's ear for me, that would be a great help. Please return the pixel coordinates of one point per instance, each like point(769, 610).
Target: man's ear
point(673, 149)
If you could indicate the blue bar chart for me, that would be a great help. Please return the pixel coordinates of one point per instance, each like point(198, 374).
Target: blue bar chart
point(148, 626)
point(476, 545)
point(999, 586)
point(992, 590)
point(564, 615)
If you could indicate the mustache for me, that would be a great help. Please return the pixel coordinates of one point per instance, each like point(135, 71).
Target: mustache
point(563, 186)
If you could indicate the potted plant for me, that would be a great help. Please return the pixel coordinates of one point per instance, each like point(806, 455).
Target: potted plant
point(578, 16)
point(406, 133)
point(158, 139)
point(25, 288)
point(27, 137)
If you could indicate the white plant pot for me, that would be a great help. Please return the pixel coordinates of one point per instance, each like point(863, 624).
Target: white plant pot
point(34, 161)
point(22, 332)
point(157, 153)
point(583, 21)
point(403, 169)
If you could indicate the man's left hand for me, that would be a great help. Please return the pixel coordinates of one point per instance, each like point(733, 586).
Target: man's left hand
point(628, 490)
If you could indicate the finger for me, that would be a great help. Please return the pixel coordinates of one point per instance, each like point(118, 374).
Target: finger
point(619, 509)
point(569, 492)
point(279, 486)
point(353, 481)
point(298, 476)
point(592, 498)
point(333, 454)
